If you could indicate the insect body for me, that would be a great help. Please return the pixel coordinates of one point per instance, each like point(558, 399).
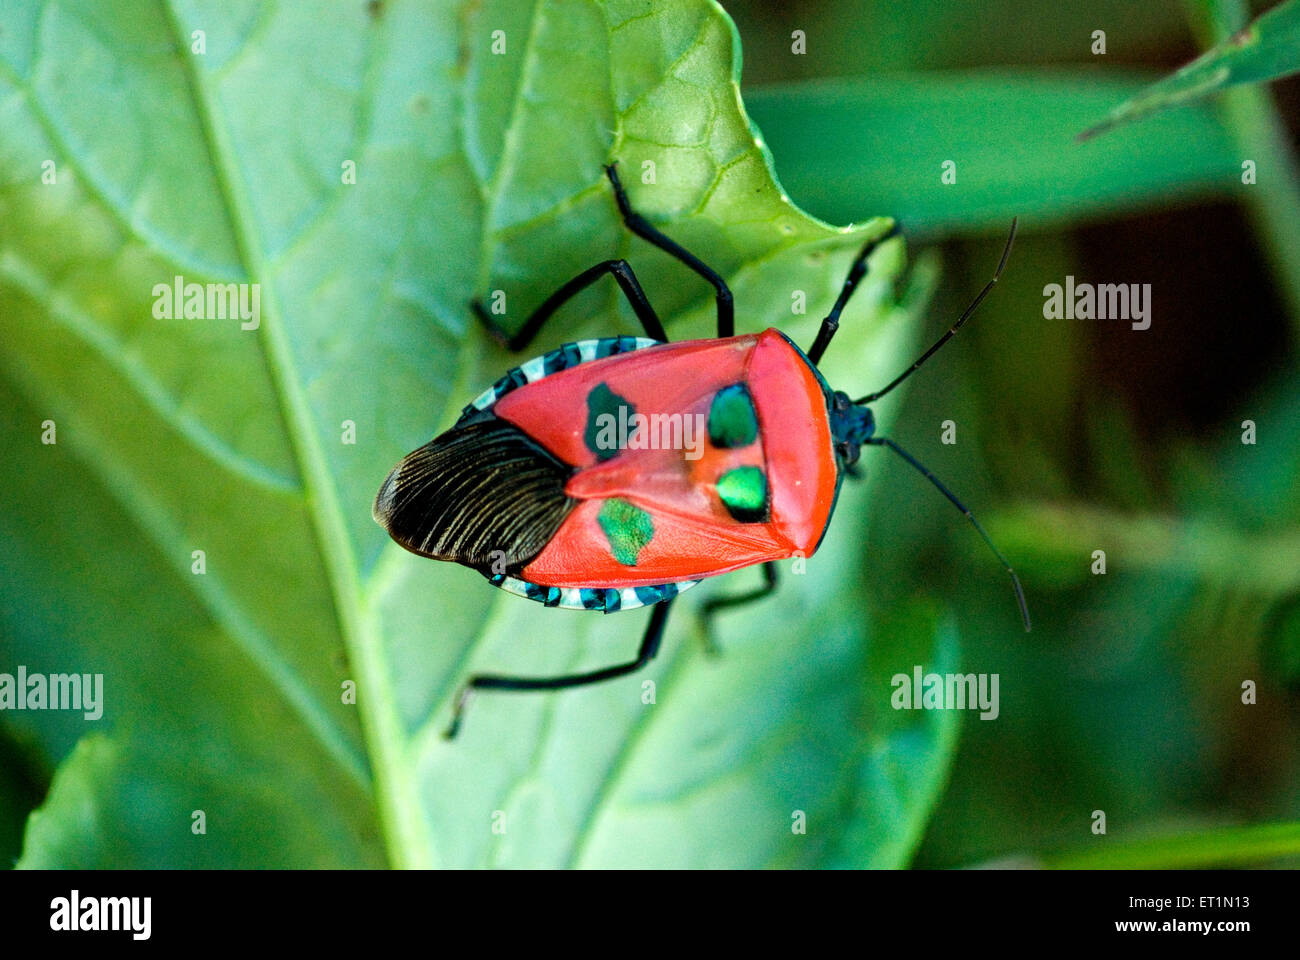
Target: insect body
point(577, 516)
point(615, 473)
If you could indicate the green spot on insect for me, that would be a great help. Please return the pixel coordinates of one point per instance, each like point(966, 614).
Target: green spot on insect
point(733, 421)
point(627, 527)
point(604, 408)
point(744, 493)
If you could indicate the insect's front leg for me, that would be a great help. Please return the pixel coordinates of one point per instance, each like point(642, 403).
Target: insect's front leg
point(857, 271)
point(644, 229)
point(620, 270)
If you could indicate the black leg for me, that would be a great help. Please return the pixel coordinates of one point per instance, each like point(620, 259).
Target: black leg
point(619, 269)
point(643, 229)
point(952, 331)
point(1015, 581)
point(649, 647)
point(714, 604)
point(856, 272)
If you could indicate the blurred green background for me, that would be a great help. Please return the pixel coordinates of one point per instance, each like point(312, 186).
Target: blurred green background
point(1087, 434)
point(1072, 436)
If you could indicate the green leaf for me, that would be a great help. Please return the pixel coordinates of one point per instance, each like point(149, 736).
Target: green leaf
point(905, 767)
point(474, 171)
point(139, 801)
point(852, 146)
point(1267, 49)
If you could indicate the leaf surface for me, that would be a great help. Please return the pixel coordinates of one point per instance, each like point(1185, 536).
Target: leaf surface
point(238, 131)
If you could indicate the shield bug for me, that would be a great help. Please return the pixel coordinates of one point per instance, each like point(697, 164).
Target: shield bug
point(556, 483)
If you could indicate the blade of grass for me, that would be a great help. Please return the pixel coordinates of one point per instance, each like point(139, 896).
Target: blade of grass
point(1259, 134)
point(1266, 50)
point(1219, 846)
point(853, 146)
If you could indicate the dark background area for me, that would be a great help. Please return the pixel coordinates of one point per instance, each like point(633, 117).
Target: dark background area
point(1077, 435)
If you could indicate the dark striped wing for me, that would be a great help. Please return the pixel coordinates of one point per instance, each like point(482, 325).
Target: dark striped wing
point(481, 494)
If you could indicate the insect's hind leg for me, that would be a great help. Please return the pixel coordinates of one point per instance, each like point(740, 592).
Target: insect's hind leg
point(620, 270)
point(654, 633)
point(856, 272)
point(714, 604)
point(646, 231)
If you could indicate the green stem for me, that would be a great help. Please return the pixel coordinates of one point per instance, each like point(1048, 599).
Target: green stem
point(1062, 537)
point(1219, 846)
point(1252, 121)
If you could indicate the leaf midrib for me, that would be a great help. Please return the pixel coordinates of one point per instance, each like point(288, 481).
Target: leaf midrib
point(403, 829)
point(224, 609)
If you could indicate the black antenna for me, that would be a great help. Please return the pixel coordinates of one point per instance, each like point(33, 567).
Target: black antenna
point(1015, 581)
point(871, 398)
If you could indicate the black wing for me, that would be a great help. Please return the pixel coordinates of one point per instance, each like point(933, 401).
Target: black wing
point(480, 494)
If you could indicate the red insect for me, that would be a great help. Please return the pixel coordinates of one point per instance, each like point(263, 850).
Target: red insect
point(614, 473)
